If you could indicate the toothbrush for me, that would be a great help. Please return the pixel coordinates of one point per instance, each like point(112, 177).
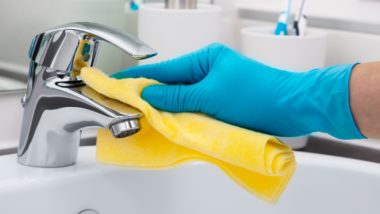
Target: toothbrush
point(134, 5)
point(283, 20)
point(300, 21)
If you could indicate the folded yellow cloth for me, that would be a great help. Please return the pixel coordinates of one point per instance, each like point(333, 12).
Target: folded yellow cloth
point(258, 162)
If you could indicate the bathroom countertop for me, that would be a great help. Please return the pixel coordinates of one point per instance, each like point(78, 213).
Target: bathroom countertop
point(8, 147)
point(366, 143)
point(367, 150)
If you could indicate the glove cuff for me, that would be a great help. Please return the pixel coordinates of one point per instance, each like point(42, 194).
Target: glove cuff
point(333, 84)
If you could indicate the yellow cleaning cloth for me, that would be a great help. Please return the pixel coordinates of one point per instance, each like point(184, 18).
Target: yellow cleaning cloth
point(258, 162)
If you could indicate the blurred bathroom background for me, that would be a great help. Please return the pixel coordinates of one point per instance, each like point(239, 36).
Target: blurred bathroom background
point(353, 27)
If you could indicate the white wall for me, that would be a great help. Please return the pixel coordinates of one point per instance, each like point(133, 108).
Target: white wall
point(358, 10)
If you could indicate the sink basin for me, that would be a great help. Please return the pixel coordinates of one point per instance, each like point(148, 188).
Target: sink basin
point(322, 184)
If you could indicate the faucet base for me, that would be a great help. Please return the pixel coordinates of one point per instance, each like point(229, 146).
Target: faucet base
point(22, 162)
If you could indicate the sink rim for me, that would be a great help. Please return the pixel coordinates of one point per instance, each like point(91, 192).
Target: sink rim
point(14, 173)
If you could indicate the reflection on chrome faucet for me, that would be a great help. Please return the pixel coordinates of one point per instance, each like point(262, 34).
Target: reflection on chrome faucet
point(58, 105)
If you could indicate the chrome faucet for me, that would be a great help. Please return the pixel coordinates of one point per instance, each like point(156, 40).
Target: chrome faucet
point(56, 107)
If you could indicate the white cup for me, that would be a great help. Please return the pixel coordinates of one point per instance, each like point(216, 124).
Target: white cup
point(173, 32)
point(293, 53)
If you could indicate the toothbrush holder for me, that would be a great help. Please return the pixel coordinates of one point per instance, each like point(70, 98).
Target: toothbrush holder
point(294, 53)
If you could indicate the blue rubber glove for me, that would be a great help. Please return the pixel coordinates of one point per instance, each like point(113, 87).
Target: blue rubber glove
point(223, 84)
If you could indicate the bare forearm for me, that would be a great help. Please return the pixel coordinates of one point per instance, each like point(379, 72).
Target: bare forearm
point(365, 98)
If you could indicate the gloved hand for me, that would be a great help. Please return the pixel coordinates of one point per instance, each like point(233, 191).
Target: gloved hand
point(223, 84)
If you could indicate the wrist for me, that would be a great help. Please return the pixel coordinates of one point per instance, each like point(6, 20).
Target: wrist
point(364, 90)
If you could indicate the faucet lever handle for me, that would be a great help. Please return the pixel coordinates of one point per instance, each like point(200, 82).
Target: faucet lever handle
point(62, 47)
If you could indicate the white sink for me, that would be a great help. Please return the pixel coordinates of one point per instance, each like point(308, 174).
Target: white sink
point(322, 184)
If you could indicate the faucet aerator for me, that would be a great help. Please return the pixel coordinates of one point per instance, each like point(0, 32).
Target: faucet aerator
point(125, 128)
